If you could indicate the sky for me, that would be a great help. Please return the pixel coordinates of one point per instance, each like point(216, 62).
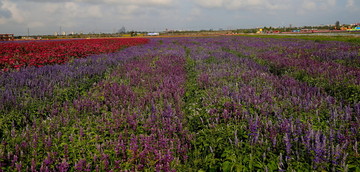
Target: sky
point(43, 17)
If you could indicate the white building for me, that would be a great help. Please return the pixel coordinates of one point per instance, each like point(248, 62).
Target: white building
point(153, 34)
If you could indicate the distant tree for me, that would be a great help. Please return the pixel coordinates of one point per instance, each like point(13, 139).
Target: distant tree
point(133, 33)
point(122, 30)
point(337, 25)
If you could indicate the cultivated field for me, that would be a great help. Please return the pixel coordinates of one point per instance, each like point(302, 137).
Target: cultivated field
point(228, 103)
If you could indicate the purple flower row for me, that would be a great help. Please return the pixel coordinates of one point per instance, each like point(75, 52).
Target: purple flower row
point(313, 58)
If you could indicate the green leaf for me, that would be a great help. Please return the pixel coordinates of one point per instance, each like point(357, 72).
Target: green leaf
point(239, 167)
point(226, 166)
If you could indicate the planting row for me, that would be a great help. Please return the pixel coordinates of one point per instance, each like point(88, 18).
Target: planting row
point(40, 53)
point(311, 62)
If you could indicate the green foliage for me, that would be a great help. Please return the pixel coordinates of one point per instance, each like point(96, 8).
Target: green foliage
point(211, 59)
point(346, 92)
point(214, 148)
point(193, 97)
point(30, 108)
point(348, 62)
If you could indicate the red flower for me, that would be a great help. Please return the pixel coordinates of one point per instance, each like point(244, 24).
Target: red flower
point(17, 55)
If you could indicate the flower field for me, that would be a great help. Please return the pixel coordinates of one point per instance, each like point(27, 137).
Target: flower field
point(187, 104)
point(40, 53)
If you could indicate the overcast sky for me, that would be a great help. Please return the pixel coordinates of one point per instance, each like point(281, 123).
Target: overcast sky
point(47, 16)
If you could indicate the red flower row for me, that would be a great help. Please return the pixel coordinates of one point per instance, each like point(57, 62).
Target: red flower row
point(40, 53)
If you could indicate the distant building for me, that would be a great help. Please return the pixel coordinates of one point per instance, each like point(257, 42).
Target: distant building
point(260, 31)
point(27, 38)
point(343, 28)
point(6, 37)
point(153, 34)
point(354, 27)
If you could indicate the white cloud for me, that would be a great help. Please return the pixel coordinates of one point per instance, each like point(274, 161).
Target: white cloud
point(210, 3)
point(36, 24)
point(123, 12)
point(4, 13)
point(111, 2)
point(195, 12)
point(244, 4)
point(16, 13)
point(332, 2)
point(51, 8)
point(268, 4)
point(352, 5)
point(139, 2)
point(76, 10)
point(326, 4)
point(128, 9)
point(309, 5)
point(316, 6)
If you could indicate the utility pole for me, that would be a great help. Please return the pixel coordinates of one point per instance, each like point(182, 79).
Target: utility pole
point(28, 31)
